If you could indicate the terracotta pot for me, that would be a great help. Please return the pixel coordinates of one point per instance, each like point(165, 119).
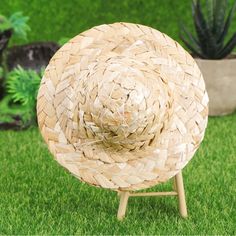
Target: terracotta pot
point(220, 79)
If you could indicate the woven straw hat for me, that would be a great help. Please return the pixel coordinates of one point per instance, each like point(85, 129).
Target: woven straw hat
point(122, 106)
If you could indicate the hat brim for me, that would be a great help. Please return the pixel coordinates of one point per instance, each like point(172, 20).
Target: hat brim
point(97, 164)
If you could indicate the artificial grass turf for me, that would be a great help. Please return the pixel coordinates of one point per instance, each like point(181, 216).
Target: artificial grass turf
point(37, 196)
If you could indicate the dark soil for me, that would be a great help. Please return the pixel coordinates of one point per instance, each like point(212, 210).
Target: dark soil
point(31, 56)
point(4, 39)
point(14, 125)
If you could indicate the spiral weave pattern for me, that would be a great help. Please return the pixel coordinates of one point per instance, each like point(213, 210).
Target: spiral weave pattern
point(122, 106)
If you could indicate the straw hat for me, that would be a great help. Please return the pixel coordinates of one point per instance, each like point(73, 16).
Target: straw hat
point(122, 106)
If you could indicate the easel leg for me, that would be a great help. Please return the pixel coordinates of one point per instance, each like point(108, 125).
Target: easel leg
point(174, 184)
point(181, 195)
point(178, 187)
point(124, 196)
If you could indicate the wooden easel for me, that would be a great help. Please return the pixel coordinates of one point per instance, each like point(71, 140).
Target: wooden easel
point(178, 187)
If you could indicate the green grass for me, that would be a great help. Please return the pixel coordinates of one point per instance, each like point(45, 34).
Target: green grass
point(37, 196)
point(52, 20)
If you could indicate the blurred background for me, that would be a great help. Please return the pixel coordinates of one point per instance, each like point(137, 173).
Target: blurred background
point(52, 20)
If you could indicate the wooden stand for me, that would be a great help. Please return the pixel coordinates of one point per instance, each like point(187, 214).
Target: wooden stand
point(178, 187)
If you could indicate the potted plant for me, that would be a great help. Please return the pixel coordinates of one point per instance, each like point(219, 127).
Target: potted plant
point(18, 107)
point(20, 72)
point(212, 48)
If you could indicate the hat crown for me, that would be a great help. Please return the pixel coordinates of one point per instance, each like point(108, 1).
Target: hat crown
point(126, 102)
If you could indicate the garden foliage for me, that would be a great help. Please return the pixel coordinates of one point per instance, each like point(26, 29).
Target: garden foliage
point(212, 24)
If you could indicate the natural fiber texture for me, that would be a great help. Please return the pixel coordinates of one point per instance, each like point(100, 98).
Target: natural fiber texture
point(122, 106)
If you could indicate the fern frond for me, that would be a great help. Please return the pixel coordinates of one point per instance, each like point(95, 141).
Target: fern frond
point(23, 85)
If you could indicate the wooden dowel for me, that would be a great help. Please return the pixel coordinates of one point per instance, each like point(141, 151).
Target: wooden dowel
point(153, 194)
point(118, 193)
point(124, 196)
point(174, 185)
point(181, 195)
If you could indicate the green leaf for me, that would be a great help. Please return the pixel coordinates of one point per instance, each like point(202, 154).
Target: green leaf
point(19, 24)
point(192, 48)
point(220, 8)
point(228, 47)
point(200, 25)
point(23, 85)
point(184, 31)
point(210, 12)
point(5, 24)
point(227, 24)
